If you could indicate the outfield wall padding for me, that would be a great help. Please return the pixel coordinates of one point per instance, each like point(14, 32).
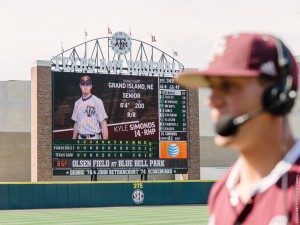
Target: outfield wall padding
point(98, 194)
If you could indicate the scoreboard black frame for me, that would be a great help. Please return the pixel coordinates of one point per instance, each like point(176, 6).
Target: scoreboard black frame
point(147, 123)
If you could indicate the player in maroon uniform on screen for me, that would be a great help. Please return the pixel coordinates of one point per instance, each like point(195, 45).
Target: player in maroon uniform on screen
point(253, 80)
point(89, 114)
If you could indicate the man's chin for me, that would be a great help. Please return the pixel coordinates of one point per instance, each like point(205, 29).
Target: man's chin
point(223, 141)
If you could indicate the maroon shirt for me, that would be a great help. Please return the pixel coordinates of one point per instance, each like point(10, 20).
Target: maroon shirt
point(275, 199)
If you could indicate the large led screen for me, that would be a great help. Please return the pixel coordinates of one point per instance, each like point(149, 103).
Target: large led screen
point(146, 120)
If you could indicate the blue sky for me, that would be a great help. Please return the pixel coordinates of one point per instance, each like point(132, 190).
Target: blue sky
point(34, 29)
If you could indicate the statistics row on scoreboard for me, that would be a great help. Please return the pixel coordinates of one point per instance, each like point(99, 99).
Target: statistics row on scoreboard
point(105, 149)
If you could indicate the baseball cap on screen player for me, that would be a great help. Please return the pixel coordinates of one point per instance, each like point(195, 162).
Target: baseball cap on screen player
point(85, 79)
point(243, 55)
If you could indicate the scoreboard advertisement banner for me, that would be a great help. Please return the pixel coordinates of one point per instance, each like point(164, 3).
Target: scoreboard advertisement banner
point(147, 126)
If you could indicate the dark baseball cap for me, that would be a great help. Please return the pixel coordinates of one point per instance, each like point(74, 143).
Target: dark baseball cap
point(85, 79)
point(244, 55)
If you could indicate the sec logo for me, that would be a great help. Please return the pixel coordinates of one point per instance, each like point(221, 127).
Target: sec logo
point(138, 196)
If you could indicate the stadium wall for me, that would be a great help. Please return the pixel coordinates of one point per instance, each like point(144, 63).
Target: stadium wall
point(15, 130)
point(95, 194)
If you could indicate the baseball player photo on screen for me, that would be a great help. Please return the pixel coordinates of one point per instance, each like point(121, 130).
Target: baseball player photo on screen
point(89, 114)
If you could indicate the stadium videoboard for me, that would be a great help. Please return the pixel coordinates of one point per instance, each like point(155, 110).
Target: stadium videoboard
point(146, 111)
point(147, 126)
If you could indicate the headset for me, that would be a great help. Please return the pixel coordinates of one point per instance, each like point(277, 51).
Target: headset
point(277, 99)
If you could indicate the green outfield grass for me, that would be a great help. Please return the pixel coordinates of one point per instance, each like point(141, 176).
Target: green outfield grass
point(186, 214)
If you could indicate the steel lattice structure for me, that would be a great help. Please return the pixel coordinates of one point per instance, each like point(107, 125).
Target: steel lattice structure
point(97, 56)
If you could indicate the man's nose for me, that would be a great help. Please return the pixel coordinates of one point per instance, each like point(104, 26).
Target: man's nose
point(216, 99)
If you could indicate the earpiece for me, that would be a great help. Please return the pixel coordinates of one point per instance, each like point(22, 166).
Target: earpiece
point(279, 98)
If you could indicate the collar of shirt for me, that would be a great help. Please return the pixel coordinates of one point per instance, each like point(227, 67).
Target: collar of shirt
point(279, 170)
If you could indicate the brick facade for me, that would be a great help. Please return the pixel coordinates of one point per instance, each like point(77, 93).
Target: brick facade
point(41, 122)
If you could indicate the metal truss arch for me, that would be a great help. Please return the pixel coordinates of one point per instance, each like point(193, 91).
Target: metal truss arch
point(97, 56)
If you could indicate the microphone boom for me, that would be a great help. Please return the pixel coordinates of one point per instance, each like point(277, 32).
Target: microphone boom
point(228, 125)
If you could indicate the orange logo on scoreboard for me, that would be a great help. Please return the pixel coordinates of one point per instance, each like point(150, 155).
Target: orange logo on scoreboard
point(173, 150)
